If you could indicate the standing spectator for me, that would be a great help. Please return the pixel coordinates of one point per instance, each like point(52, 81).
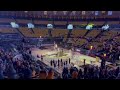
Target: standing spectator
point(58, 60)
point(66, 62)
point(41, 57)
point(61, 64)
point(61, 60)
point(58, 65)
point(55, 65)
point(84, 61)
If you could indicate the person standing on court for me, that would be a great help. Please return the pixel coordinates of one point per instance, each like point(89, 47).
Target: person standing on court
point(41, 57)
point(84, 62)
point(51, 63)
point(69, 60)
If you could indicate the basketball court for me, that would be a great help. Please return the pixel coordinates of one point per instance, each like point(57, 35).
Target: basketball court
point(51, 53)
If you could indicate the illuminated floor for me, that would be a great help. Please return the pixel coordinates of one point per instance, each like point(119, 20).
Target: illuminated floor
point(76, 58)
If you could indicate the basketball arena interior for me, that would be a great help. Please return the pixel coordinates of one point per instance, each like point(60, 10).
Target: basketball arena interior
point(59, 44)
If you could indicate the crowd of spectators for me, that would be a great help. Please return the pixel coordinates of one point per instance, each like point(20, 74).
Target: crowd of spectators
point(22, 66)
point(28, 68)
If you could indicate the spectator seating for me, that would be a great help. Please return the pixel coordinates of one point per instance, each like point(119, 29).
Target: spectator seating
point(37, 32)
point(78, 33)
point(93, 33)
point(59, 32)
point(109, 34)
point(77, 41)
point(26, 32)
point(94, 44)
point(80, 42)
point(40, 32)
point(65, 37)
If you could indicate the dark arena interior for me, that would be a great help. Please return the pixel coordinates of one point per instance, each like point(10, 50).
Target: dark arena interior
point(59, 44)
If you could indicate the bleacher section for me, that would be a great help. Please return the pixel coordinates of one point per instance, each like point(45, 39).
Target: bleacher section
point(98, 42)
point(108, 34)
point(77, 41)
point(80, 42)
point(59, 32)
point(94, 44)
point(37, 32)
point(78, 33)
point(93, 33)
point(40, 32)
point(26, 32)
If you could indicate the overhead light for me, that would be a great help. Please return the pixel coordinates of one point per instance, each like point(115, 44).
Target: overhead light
point(14, 25)
point(89, 26)
point(70, 27)
point(49, 26)
point(30, 25)
point(106, 27)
